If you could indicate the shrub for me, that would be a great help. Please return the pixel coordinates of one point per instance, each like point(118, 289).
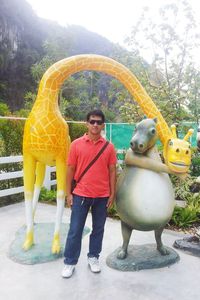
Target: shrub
point(47, 196)
point(184, 217)
point(12, 136)
point(76, 130)
point(182, 187)
point(195, 166)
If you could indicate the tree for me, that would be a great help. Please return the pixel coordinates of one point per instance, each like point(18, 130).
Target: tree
point(170, 43)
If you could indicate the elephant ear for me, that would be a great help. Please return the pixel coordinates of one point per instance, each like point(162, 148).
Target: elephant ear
point(155, 120)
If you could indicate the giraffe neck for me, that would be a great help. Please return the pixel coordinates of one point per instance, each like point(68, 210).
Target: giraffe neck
point(55, 76)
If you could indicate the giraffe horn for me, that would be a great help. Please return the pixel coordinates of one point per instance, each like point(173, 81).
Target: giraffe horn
point(173, 129)
point(189, 133)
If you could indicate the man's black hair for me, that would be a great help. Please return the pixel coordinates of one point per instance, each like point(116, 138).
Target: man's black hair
point(96, 112)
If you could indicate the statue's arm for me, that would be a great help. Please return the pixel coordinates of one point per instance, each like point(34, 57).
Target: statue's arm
point(141, 161)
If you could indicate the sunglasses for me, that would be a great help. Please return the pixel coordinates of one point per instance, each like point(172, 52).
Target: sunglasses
point(99, 122)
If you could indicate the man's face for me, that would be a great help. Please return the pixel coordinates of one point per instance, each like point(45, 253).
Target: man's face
point(95, 125)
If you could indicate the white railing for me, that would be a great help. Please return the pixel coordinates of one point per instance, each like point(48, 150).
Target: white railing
point(18, 174)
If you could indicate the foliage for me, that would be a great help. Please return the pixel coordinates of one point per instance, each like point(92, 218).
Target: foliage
point(182, 187)
point(195, 166)
point(4, 109)
point(76, 130)
point(11, 133)
point(29, 99)
point(47, 195)
point(170, 78)
point(11, 199)
point(184, 217)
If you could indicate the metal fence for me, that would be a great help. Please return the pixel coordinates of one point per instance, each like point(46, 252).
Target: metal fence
point(120, 133)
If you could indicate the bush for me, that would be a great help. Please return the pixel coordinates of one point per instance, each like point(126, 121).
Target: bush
point(11, 132)
point(11, 199)
point(76, 130)
point(195, 166)
point(182, 187)
point(185, 217)
point(47, 196)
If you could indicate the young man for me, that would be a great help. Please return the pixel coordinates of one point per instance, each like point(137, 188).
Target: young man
point(96, 190)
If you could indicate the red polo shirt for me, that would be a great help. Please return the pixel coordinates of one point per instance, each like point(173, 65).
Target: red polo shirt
point(95, 182)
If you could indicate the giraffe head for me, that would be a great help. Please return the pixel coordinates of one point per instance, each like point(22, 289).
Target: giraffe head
point(177, 152)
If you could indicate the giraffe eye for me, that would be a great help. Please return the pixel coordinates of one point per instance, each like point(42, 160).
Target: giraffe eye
point(177, 150)
point(170, 143)
point(187, 151)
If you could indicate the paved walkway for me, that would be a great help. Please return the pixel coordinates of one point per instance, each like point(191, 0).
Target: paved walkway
point(37, 282)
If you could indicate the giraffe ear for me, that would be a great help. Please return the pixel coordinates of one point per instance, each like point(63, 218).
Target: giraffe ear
point(155, 120)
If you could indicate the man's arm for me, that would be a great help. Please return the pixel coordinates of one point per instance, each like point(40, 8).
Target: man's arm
point(112, 178)
point(70, 176)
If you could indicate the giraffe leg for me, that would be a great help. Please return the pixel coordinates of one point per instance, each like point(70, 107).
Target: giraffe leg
point(40, 173)
point(61, 172)
point(29, 179)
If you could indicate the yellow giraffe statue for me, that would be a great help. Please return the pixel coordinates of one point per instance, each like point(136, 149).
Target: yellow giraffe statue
point(46, 139)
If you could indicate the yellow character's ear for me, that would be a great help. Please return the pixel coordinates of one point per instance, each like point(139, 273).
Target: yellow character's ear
point(189, 133)
point(173, 129)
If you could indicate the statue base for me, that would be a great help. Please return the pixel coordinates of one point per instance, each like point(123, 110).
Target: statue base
point(142, 257)
point(191, 245)
point(40, 252)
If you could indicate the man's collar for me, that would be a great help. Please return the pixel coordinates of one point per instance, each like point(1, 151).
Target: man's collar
point(87, 139)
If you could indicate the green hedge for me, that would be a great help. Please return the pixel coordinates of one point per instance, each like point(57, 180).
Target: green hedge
point(76, 130)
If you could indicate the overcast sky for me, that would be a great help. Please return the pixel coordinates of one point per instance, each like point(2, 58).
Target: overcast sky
point(110, 18)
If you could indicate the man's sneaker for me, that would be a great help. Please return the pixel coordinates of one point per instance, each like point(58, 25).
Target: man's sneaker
point(93, 262)
point(68, 271)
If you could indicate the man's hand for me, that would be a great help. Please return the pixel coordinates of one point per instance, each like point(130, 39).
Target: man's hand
point(110, 202)
point(69, 200)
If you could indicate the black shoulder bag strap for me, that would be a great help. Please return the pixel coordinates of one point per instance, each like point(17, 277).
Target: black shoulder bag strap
point(93, 161)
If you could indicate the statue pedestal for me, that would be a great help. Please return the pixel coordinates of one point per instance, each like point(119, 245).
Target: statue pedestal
point(142, 257)
point(191, 245)
point(40, 252)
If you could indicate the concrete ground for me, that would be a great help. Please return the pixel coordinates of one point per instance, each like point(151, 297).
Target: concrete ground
point(37, 282)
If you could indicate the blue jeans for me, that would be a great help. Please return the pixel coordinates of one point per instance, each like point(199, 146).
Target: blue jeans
point(80, 209)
